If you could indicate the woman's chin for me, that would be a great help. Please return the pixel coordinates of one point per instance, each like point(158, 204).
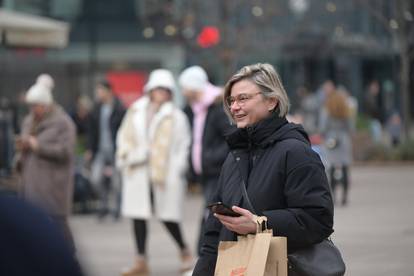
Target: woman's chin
point(241, 124)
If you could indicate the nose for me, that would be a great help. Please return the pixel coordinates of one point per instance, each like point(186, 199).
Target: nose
point(234, 106)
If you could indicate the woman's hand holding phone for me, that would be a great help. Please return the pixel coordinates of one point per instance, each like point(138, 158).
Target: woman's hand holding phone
point(241, 221)
point(222, 209)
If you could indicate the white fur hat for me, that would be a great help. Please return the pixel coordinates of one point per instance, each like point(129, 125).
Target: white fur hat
point(47, 80)
point(160, 78)
point(41, 91)
point(194, 78)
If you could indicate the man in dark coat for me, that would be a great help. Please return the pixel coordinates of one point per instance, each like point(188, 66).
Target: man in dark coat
point(284, 178)
point(209, 126)
point(105, 119)
point(214, 145)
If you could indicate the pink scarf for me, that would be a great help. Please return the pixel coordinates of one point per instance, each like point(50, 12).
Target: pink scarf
point(200, 113)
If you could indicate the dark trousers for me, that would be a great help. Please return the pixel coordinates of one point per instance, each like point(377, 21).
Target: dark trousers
point(342, 180)
point(140, 231)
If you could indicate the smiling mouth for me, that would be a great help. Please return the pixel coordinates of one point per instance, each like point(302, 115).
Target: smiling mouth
point(239, 117)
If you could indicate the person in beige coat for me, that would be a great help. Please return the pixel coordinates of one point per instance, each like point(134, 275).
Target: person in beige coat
point(46, 146)
point(152, 151)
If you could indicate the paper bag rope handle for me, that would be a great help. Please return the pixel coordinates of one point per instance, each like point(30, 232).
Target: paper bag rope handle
point(261, 223)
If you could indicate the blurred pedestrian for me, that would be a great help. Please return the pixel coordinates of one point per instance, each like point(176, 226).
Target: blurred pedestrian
point(209, 126)
point(327, 87)
point(6, 138)
point(105, 119)
point(309, 108)
point(394, 128)
point(80, 114)
point(84, 193)
point(284, 179)
point(336, 127)
point(47, 148)
point(352, 104)
point(153, 144)
point(373, 110)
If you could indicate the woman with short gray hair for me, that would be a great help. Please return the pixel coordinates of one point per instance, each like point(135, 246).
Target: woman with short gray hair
point(268, 81)
point(272, 160)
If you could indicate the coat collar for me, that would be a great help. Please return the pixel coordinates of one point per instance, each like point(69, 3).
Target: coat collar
point(140, 107)
point(49, 118)
point(256, 135)
point(164, 112)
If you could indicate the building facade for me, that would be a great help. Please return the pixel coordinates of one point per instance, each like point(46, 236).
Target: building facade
point(308, 41)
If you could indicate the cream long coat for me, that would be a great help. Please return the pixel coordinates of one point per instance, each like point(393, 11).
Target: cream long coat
point(133, 144)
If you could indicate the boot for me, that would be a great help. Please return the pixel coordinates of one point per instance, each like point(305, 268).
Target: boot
point(139, 269)
point(186, 260)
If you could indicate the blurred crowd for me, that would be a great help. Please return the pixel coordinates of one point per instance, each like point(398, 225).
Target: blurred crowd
point(104, 158)
point(330, 115)
point(136, 162)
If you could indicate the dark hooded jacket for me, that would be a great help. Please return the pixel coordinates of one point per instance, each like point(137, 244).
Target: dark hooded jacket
point(286, 182)
point(115, 120)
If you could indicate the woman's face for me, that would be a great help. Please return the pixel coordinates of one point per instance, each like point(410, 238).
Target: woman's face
point(160, 96)
point(38, 110)
point(192, 96)
point(248, 106)
point(102, 94)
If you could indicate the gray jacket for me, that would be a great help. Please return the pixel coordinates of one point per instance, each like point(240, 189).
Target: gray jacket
point(337, 139)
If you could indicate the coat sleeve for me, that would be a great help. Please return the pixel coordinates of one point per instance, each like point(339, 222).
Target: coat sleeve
point(308, 218)
point(210, 238)
point(215, 156)
point(206, 262)
point(128, 150)
point(182, 142)
point(63, 146)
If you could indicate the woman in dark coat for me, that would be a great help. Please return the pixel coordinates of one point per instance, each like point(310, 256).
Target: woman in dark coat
point(284, 178)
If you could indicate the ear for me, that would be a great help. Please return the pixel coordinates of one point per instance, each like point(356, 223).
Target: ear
point(272, 104)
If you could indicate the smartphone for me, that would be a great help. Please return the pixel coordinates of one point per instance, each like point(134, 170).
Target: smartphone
point(220, 208)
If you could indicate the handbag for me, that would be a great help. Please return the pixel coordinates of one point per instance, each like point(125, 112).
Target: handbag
point(321, 259)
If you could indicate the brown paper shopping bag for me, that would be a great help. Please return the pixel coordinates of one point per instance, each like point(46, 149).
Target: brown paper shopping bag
point(276, 264)
point(260, 254)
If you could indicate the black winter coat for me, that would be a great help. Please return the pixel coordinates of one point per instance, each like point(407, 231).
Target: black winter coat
point(214, 145)
point(117, 115)
point(215, 148)
point(286, 182)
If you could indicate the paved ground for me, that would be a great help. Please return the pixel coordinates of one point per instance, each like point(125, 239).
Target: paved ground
point(375, 232)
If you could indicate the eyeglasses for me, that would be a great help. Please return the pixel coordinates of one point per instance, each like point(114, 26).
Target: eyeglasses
point(241, 99)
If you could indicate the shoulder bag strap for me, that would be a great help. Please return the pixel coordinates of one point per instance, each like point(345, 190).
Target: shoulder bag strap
point(243, 188)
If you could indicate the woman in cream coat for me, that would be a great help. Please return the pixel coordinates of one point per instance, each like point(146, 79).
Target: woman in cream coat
point(152, 152)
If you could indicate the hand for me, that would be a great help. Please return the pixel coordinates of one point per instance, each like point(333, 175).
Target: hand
point(21, 144)
point(242, 225)
point(33, 143)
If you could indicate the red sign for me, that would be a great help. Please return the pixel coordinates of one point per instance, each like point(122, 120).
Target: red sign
point(127, 85)
point(208, 37)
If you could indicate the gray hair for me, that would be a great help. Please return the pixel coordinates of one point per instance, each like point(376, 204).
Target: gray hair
point(267, 79)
